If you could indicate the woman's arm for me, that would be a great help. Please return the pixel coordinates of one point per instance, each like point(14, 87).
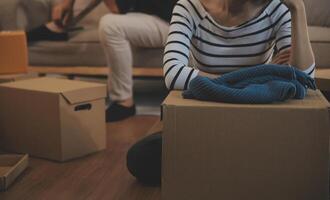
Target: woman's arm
point(302, 55)
point(177, 73)
point(59, 9)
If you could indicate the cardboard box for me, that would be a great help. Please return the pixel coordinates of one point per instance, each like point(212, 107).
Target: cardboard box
point(52, 118)
point(251, 152)
point(11, 166)
point(13, 52)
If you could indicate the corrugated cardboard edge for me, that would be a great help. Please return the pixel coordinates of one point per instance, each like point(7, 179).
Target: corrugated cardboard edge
point(14, 172)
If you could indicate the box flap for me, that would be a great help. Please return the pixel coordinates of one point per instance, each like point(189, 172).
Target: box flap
point(11, 166)
point(85, 94)
point(51, 85)
point(73, 91)
point(314, 99)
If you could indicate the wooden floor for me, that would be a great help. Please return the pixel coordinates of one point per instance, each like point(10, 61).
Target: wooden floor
point(99, 176)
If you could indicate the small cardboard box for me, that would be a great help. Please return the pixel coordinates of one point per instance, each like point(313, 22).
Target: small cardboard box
point(13, 52)
point(251, 152)
point(52, 118)
point(11, 166)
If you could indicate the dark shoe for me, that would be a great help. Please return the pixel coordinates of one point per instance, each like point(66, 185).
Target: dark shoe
point(43, 33)
point(117, 112)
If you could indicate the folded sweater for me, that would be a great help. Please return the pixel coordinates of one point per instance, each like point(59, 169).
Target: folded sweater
point(255, 85)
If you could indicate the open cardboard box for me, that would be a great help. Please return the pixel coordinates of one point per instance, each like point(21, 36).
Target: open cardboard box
point(274, 151)
point(50, 118)
point(11, 166)
point(13, 52)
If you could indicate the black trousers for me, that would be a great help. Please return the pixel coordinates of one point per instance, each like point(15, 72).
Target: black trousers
point(144, 160)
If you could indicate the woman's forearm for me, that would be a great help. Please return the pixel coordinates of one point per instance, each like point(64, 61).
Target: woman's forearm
point(302, 55)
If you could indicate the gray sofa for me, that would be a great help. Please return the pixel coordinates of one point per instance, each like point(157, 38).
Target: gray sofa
point(83, 48)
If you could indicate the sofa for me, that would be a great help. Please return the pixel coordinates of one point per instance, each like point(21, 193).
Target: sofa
point(83, 48)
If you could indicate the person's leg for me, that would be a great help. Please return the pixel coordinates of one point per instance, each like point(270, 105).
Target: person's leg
point(117, 34)
point(144, 159)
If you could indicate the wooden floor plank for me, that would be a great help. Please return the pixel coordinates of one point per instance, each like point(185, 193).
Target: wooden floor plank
point(99, 176)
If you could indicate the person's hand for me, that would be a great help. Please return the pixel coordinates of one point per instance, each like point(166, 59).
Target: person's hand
point(57, 12)
point(294, 4)
point(205, 74)
point(282, 58)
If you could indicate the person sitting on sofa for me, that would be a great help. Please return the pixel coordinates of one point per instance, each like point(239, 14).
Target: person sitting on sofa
point(222, 36)
point(144, 24)
point(65, 15)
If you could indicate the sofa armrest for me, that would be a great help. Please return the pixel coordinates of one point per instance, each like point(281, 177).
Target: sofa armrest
point(9, 14)
point(36, 12)
point(24, 14)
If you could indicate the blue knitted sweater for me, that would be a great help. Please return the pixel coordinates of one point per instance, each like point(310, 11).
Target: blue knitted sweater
point(255, 85)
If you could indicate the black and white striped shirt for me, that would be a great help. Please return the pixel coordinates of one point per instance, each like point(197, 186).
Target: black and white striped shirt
point(196, 38)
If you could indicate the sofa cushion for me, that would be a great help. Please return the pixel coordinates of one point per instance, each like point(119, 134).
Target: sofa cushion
point(8, 14)
point(321, 52)
point(87, 35)
point(318, 12)
point(319, 34)
point(320, 38)
point(86, 54)
point(37, 12)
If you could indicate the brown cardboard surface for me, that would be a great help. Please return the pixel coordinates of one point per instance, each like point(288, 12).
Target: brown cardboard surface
point(251, 152)
point(39, 118)
point(11, 166)
point(13, 52)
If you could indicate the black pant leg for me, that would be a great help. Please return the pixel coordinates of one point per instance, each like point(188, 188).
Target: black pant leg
point(144, 159)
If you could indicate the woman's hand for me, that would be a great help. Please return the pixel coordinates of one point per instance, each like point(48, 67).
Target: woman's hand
point(282, 58)
point(57, 12)
point(205, 74)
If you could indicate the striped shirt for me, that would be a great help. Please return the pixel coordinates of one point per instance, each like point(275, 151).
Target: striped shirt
point(197, 42)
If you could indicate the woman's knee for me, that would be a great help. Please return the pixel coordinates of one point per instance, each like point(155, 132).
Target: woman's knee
point(144, 159)
point(110, 25)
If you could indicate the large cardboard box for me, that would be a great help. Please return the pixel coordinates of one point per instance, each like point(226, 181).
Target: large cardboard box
point(251, 152)
point(13, 52)
point(11, 166)
point(52, 118)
